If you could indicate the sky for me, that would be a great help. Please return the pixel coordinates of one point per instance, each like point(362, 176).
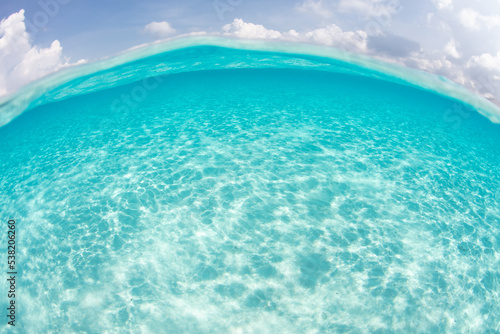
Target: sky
point(458, 39)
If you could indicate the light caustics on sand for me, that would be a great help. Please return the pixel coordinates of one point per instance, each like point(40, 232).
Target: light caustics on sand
point(208, 185)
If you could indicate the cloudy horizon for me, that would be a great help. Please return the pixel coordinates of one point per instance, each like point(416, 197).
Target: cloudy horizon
point(451, 38)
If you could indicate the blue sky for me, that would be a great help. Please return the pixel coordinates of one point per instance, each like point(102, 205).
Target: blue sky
point(92, 29)
point(455, 38)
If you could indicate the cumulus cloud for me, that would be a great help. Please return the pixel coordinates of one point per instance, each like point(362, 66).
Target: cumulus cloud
point(334, 36)
point(484, 70)
point(473, 20)
point(242, 29)
point(487, 60)
point(21, 61)
point(331, 35)
point(438, 66)
point(451, 49)
point(480, 73)
point(159, 29)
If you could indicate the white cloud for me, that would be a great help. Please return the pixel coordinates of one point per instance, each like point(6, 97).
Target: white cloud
point(159, 29)
point(433, 66)
point(487, 61)
point(242, 29)
point(331, 35)
point(451, 49)
point(334, 36)
point(291, 35)
point(21, 61)
point(480, 73)
point(471, 19)
point(484, 71)
point(437, 63)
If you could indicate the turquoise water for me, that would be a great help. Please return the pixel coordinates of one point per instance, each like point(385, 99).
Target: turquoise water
point(215, 190)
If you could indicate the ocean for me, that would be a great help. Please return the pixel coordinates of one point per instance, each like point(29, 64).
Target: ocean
point(209, 185)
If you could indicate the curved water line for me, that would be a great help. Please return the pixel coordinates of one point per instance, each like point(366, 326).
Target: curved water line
point(32, 94)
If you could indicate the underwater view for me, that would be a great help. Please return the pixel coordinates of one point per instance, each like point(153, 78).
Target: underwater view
point(212, 186)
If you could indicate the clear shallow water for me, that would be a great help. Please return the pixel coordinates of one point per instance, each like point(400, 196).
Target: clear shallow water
point(258, 200)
